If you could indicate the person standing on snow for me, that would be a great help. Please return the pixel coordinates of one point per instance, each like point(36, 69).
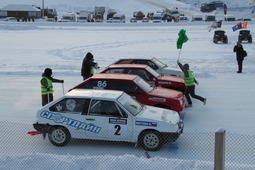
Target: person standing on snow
point(88, 66)
point(240, 54)
point(47, 87)
point(190, 82)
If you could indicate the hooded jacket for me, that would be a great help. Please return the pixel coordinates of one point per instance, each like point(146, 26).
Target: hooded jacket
point(239, 52)
point(87, 64)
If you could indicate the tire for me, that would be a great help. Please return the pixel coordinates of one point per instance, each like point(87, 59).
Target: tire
point(151, 140)
point(59, 136)
point(239, 39)
point(225, 40)
point(215, 40)
point(250, 40)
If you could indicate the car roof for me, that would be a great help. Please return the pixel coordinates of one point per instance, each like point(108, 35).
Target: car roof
point(135, 66)
point(145, 58)
point(114, 76)
point(102, 94)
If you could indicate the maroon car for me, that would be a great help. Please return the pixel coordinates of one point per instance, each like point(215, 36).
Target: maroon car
point(149, 75)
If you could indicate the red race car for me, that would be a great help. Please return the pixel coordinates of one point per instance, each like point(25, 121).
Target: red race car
point(149, 75)
point(139, 89)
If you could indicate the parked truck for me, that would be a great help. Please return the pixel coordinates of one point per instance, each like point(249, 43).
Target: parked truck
point(139, 15)
point(209, 7)
point(99, 14)
point(50, 13)
point(83, 16)
point(110, 14)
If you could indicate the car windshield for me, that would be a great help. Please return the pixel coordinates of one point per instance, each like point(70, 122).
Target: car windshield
point(153, 72)
point(159, 63)
point(133, 106)
point(143, 84)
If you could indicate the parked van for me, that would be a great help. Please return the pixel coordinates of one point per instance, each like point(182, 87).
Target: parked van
point(119, 18)
point(83, 16)
point(157, 17)
point(69, 17)
point(197, 17)
point(229, 18)
point(210, 18)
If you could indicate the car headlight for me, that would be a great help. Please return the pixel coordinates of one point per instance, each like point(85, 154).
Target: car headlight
point(181, 101)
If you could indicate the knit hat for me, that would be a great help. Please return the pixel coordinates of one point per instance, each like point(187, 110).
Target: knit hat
point(89, 56)
point(48, 72)
point(186, 66)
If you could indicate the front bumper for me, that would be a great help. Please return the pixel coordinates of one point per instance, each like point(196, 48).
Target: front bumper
point(42, 127)
point(172, 137)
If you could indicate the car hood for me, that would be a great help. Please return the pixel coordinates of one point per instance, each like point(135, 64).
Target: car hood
point(158, 114)
point(164, 92)
point(171, 71)
point(171, 78)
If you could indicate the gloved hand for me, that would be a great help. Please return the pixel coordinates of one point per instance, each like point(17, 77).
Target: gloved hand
point(62, 81)
point(178, 61)
point(197, 83)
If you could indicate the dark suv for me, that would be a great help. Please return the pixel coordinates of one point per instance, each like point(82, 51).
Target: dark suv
point(219, 35)
point(244, 35)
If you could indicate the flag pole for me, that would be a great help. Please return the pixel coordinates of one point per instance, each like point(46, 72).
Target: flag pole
point(179, 56)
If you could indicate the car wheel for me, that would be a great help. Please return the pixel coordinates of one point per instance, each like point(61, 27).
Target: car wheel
point(239, 39)
point(151, 140)
point(215, 40)
point(250, 40)
point(59, 136)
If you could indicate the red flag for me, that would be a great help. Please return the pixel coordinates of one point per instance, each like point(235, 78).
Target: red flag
point(244, 25)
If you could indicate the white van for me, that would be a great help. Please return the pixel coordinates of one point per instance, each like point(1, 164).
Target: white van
point(69, 17)
point(197, 17)
point(157, 17)
point(118, 18)
point(83, 16)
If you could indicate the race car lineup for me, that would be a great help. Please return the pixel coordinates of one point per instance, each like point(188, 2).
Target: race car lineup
point(125, 102)
point(139, 89)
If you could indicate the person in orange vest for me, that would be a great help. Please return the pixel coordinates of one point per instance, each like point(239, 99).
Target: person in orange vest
point(47, 87)
point(190, 81)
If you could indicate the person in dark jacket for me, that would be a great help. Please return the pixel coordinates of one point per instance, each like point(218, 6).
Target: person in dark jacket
point(238, 49)
point(190, 82)
point(88, 66)
point(47, 87)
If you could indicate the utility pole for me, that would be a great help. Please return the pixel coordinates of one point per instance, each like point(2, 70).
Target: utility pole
point(43, 9)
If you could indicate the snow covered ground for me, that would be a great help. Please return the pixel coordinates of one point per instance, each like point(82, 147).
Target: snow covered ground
point(28, 48)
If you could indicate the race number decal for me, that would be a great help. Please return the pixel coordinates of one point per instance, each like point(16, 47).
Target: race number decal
point(101, 84)
point(118, 127)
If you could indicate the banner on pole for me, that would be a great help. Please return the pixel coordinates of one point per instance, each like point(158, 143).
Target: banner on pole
point(182, 38)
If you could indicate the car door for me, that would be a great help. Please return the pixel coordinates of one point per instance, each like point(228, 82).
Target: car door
point(111, 121)
point(131, 89)
point(69, 113)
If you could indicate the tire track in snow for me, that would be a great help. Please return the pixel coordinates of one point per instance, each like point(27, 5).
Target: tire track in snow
point(77, 52)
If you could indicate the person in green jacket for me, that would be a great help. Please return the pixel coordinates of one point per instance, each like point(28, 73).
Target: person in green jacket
point(190, 82)
point(47, 87)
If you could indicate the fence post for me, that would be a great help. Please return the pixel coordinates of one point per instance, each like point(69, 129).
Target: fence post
point(219, 149)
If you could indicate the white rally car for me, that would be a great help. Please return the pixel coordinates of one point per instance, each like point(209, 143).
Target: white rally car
point(107, 115)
